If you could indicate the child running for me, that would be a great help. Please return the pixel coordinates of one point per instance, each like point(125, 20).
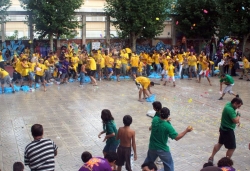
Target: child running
point(204, 69)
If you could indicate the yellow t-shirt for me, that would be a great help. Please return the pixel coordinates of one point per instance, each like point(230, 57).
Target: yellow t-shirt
point(41, 68)
point(92, 64)
point(66, 55)
point(211, 62)
point(144, 57)
point(106, 60)
point(14, 64)
point(32, 66)
point(134, 61)
point(52, 58)
point(145, 82)
point(165, 64)
point(18, 67)
point(128, 50)
point(1, 58)
point(3, 73)
point(70, 51)
point(171, 70)
point(187, 54)
point(192, 60)
point(231, 64)
point(245, 63)
point(74, 60)
point(141, 64)
point(225, 55)
point(118, 64)
point(102, 62)
point(150, 60)
point(25, 69)
point(46, 63)
point(80, 59)
point(110, 62)
point(232, 50)
point(124, 58)
point(55, 72)
point(204, 65)
point(37, 55)
point(180, 57)
point(98, 58)
point(156, 58)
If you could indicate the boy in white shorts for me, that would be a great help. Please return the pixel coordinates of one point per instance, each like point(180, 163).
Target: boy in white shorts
point(204, 70)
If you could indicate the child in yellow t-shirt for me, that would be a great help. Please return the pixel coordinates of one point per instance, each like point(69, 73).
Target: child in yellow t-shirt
point(102, 67)
point(246, 68)
point(170, 73)
point(118, 65)
point(40, 69)
point(140, 68)
point(5, 78)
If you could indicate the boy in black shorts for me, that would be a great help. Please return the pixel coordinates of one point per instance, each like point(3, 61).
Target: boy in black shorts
point(127, 139)
point(229, 119)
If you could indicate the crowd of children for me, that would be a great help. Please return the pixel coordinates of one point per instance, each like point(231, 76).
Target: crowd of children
point(100, 64)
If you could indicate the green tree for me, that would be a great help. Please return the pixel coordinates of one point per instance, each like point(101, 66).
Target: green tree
point(71, 35)
point(136, 18)
point(53, 17)
point(14, 36)
point(196, 18)
point(235, 18)
point(4, 5)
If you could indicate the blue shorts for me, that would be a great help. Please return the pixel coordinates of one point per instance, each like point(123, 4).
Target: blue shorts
point(110, 70)
point(110, 147)
point(134, 70)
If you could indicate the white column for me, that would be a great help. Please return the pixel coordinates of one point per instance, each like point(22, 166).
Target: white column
point(107, 31)
point(83, 29)
point(3, 29)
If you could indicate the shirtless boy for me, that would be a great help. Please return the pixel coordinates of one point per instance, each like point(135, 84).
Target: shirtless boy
point(127, 139)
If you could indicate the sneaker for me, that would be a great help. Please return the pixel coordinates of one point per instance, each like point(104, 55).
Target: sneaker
point(210, 160)
point(220, 98)
point(241, 78)
point(237, 95)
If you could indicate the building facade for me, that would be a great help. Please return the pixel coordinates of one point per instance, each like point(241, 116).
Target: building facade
point(95, 25)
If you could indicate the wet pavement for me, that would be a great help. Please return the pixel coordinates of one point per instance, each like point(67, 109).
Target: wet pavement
point(71, 117)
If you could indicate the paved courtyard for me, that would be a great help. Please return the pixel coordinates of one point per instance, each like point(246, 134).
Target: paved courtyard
point(71, 117)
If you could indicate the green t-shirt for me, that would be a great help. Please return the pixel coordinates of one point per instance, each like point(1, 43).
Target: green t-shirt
point(227, 79)
point(110, 128)
point(228, 114)
point(157, 114)
point(160, 132)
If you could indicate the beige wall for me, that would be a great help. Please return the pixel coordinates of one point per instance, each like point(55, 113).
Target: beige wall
point(20, 26)
point(167, 32)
